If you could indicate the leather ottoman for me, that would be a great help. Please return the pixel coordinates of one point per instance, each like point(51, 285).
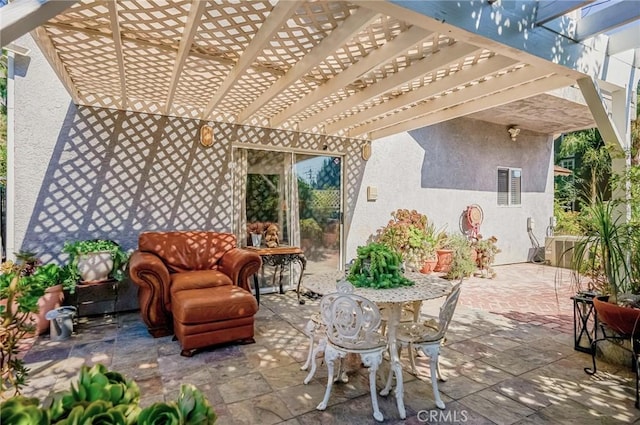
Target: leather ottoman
point(210, 316)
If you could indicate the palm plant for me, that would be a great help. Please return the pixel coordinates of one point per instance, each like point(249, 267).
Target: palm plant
point(609, 253)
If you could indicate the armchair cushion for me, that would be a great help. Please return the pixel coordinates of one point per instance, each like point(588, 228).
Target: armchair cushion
point(223, 303)
point(197, 280)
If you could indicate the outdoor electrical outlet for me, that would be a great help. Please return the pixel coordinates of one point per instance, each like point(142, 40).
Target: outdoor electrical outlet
point(372, 193)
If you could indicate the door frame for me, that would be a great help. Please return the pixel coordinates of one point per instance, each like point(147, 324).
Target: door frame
point(317, 152)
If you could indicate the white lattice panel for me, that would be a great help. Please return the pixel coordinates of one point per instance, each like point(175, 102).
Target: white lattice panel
point(174, 61)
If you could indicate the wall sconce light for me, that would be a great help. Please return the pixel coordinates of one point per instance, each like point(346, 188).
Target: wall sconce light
point(366, 150)
point(513, 132)
point(206, 136)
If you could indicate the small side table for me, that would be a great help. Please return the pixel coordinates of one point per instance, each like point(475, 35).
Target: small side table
point(96, 298)
point(279, 257)
point(585, 322)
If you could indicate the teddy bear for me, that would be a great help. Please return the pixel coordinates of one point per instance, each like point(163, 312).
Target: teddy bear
point(271, 236)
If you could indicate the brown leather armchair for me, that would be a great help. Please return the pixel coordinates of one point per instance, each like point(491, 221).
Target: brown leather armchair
point(195, 283)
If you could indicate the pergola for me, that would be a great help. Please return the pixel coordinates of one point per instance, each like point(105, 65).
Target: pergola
point(364, 69)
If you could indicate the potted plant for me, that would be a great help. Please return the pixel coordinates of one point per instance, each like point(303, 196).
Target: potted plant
point(462, 263)
point(19, 300)
point(410, 234)
point(609, 256)
point(47, 278)
point(96, 260)
point(24, 301)
point(485, 250)
point(377, 266)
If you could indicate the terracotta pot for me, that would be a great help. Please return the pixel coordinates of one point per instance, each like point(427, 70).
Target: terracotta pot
point(429, 266)
point(475, 256)
point(51, 300)
point(329, 239)
point(95, 266)
point(623, 320)
point(306, 244)
point(445, 258)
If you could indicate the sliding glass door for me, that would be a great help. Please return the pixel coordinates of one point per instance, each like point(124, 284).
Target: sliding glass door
point(320, 210)
point(301, 194)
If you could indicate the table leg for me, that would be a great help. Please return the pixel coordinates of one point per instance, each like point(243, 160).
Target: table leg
point(303, 265)
point(395, 312)
point(280, 281)
point(256, 287)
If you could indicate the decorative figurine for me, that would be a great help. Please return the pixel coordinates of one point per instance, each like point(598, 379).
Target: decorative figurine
point(271, 236)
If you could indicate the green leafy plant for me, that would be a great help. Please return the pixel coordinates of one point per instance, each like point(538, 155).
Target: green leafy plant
point(78, 249)
point(377, 266)
point(567, 222)
point(609, 254)
point(462, 264)
point(412, 235)
point(21, 285)
point(486, 250)
point(105, 397)
point(310, 229)
point(20, 300)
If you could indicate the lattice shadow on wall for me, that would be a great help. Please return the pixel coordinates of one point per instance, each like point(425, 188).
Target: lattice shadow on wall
point(114, 174)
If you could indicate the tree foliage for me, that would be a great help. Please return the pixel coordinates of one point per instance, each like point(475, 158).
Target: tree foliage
point(329, 175)
point(593, 171)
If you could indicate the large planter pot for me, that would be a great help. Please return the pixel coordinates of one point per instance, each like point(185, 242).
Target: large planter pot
point(95, 266)
point(51, 300)
point(445, 258)
point(429, 266)
point(623, 320)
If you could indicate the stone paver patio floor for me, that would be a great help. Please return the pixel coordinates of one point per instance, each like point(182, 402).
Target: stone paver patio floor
point(509, 359)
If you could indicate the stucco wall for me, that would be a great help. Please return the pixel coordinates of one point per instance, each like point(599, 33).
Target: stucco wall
point(41, 107)
point(441, 169)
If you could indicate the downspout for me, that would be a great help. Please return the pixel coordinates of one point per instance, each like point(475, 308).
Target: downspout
point(11, 183)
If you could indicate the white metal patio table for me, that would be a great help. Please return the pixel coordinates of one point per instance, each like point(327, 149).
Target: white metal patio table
point(426, 287)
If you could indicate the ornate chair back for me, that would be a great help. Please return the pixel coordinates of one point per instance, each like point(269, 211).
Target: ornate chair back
point(351, 320)
point(447, 310)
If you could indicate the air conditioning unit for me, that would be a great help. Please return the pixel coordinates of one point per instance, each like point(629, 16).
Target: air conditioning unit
point(558, 250)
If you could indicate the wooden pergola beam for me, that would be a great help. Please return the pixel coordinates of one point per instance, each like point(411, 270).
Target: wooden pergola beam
point(117, 44)
point(529, 89)
point(21, 16)
point(390, 50)
point(276, 19)
point(344, 32)
point(189, 32)
point(464, 76)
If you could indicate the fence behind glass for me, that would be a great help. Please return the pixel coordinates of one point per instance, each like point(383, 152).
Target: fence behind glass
point(319, 210)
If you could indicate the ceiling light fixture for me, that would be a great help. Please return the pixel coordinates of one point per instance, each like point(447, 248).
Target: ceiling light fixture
point(513, 132)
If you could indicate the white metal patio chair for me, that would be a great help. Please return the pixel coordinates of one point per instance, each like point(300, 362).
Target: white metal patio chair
point(316, 331)
point(352, 324)
point(428, 337)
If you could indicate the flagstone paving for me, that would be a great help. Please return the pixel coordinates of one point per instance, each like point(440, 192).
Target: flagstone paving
point(509, 359)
